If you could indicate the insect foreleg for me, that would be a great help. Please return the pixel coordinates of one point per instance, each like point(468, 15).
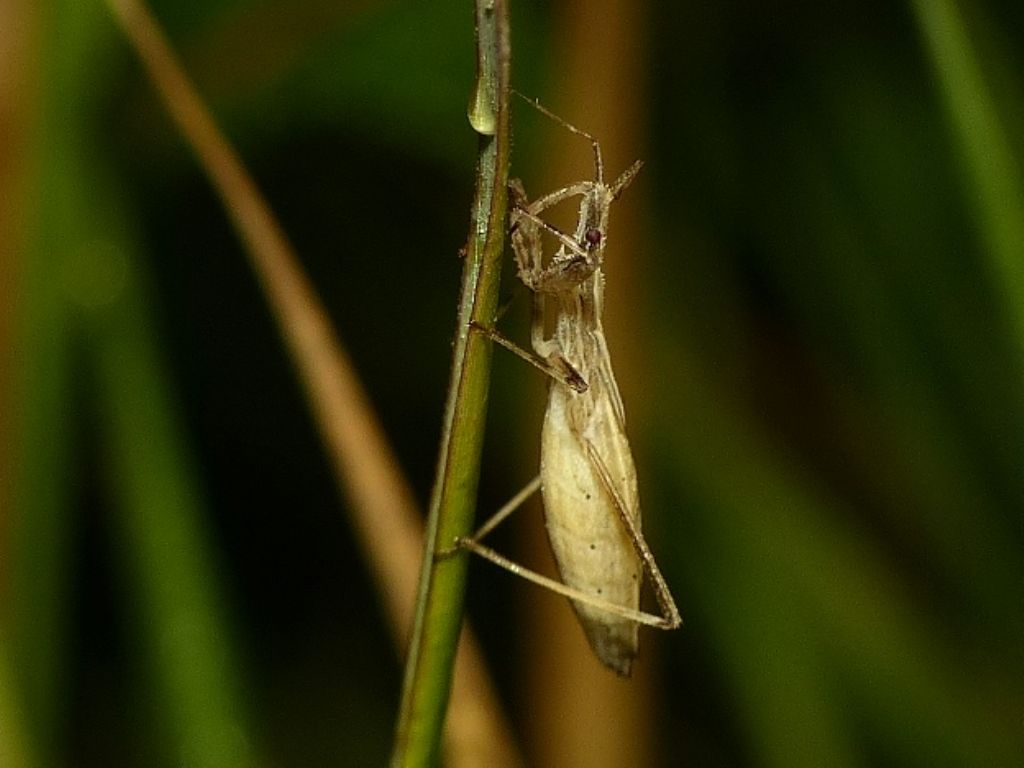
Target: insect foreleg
point(563, 238)
point(541, 204)
point(555, 366)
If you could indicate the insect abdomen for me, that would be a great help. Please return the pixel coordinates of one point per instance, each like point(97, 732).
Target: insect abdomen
point(593, 551)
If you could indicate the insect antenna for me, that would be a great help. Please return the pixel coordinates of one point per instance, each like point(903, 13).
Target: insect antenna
point(598, 160)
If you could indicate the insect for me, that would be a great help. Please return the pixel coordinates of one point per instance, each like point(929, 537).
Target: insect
point(587, 477)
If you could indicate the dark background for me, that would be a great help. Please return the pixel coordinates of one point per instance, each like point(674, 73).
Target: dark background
point(815, 311)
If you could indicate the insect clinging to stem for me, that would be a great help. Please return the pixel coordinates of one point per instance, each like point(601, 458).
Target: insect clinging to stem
point(587, 477)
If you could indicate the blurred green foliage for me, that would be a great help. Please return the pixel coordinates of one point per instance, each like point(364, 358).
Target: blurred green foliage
point(834, 306)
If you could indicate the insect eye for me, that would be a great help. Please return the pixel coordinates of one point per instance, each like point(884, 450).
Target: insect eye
point(592, 237)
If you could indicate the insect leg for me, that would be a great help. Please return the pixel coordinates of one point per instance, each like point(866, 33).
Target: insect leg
point(555, 366)
point(526, 225)
point(671, 619)
point(562, 589)
point(473, 544)
point(541, 204)
point(563, 238)
point(464, 542)
point(511, 506)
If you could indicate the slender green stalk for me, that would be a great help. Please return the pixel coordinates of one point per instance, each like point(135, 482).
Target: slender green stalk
point(435, 635)
point(993, 173)
point(82, 285)
point(40, 517)
point(161, 521)
point(14, 746)
point(382, 507)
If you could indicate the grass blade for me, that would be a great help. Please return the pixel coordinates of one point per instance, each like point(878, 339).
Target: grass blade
point(442, 581)
point(993, 173)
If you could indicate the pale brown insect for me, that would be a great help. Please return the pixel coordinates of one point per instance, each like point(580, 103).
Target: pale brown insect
point(587, 478)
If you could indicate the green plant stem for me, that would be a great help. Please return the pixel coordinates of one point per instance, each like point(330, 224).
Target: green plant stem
point(37, 557)
point(14, 743)
point(164, 542)
point(435, 634)
point(382, 507)
point(993, 173)
point(83, 290)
